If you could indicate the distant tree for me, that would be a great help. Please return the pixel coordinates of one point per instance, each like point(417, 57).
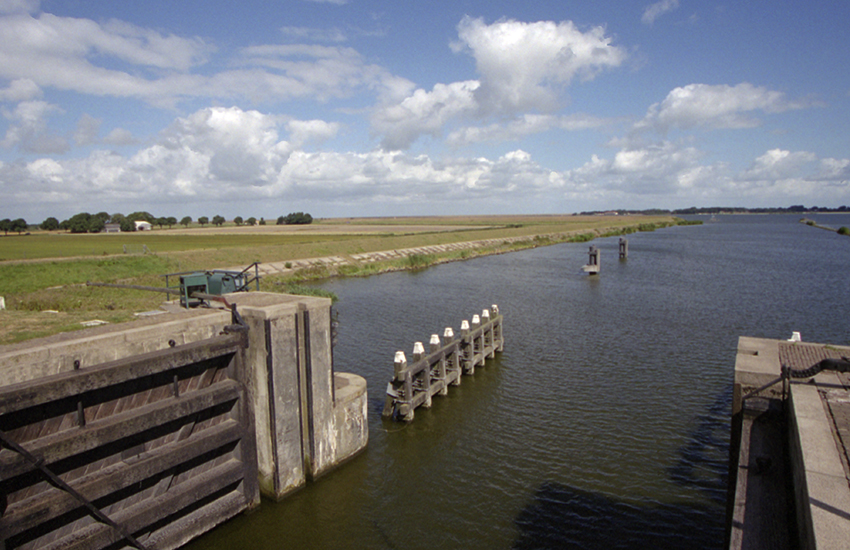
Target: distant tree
point(203, 220)
point(128, 225)
point(218, 220)
point(65, 225)
point(171, 221)
point(298, 218)
point(20, 225)
point(238, 220)
point(262, 221)
point(251, 221)
point(96, 224)
point(142, 216)
point(161, 221)
point(50, 224)
point(6, 225)
point(280, 220)
point(80, 223)
point(186, 221)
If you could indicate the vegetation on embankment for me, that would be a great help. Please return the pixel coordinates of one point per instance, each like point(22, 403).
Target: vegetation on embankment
point(49, 295)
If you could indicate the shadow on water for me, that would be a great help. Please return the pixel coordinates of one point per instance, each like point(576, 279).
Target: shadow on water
point(703, 461)
point(562, 517)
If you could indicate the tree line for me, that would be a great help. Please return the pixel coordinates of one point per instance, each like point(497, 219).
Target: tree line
point(96, 223)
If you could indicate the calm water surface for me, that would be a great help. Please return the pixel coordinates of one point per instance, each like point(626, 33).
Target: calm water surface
point(603, 424)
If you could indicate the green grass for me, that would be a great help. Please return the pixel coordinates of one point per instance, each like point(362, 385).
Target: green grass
point(31, 287)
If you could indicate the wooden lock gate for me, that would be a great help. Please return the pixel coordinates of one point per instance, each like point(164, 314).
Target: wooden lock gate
point(431, 373)
point(147, 451)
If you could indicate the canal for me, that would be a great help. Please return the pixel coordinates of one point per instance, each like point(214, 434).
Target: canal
point(603, 424)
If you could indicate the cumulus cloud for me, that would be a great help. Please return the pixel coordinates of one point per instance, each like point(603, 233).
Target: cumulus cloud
point(120, 136)
point(28, 129)
point(314, 34)
point(715, 106)
point(21, 89)
point(523, 68)
point(315, 131)
point(521, 126)
point(656, 10)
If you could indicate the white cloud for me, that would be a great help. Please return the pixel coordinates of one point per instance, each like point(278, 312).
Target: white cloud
point(656, 10)
point(28, 129)
point(424, 113)
point(22, 89)
point(523, 67)
point(522, 126)
point(87, 130)
point(315, 34)
point(778, 164)
point(120, 136)
point(19, 6)
point(715, 106)
point(316, 131)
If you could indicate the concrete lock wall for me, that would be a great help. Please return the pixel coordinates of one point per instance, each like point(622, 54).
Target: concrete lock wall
point(308, 418)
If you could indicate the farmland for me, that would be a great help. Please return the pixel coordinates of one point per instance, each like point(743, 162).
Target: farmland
point(43, 275)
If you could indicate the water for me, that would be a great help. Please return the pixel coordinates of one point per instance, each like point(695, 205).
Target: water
point(603, 424)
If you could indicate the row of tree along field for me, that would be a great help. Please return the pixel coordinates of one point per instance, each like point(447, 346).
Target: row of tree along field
point(96, 223)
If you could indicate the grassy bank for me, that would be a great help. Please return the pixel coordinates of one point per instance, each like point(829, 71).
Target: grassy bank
point(48, 294)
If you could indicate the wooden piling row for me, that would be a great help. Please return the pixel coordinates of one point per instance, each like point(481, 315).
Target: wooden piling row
point(428, 374)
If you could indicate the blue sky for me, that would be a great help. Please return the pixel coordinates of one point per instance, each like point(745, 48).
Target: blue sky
point(369, 108)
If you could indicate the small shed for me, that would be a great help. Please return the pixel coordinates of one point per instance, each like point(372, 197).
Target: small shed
point(142, 225)
point(112, 228)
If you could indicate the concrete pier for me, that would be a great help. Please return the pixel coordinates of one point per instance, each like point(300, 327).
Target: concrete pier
point(790, 439)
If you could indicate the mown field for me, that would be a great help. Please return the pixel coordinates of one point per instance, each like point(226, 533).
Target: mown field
point(43, 275)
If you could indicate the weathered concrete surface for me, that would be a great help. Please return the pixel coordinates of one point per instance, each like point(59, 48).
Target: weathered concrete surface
point(304, 427)
point(817, 415)
point(58, 353)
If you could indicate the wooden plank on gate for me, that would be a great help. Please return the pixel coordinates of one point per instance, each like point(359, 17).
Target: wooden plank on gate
point(142, 515)
point(27, 514)
point(65, 444)
point(59, 386)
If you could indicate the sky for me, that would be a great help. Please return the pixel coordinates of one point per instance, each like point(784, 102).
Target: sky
point(346, 108)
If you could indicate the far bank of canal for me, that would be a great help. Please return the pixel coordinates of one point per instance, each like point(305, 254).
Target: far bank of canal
point(603, 424)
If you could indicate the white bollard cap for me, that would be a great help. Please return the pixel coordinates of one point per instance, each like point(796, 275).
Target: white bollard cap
point(448, 333)
point(795, 337)
point(418, 348)
point(464, 325)
point(476, 320)
point(399, 357)
point(485, 314)
point(495, 308)
point(435, 340)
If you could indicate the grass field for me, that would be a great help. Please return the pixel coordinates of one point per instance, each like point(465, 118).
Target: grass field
point(43, 275)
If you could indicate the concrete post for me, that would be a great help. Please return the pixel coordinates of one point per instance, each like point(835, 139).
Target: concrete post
point(434, 345)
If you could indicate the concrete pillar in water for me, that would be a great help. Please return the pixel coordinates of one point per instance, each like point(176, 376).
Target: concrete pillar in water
point(592, 267)
point(624, 248)
point(440, 373)
point(308, 418)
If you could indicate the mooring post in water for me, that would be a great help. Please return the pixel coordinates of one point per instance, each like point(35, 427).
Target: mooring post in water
point(468, 353)
point(624, 248)
point(423, 378)
point(454, 363)
point(439, 372)
point(592, 267)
